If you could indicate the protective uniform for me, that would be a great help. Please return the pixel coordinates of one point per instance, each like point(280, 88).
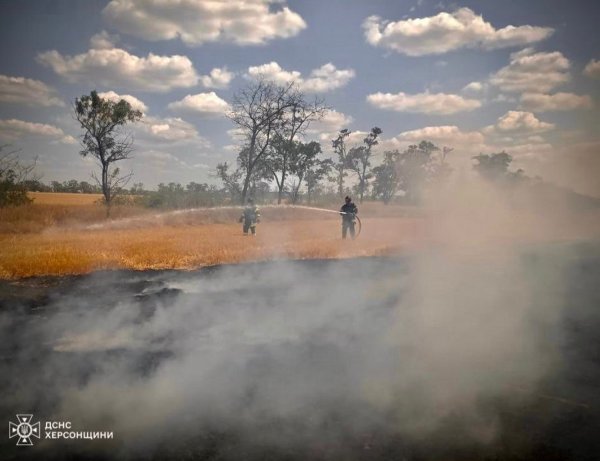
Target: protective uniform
point(350, 211)
point(250, 217)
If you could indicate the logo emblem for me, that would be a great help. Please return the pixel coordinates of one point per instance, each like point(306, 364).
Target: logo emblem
point(24, 430)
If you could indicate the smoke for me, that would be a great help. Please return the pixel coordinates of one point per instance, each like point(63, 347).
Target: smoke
point(421, 356)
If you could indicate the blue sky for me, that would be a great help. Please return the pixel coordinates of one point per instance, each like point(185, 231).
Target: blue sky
point(479, 76)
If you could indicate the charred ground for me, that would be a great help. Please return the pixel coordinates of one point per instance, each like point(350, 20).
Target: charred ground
point(292, 389)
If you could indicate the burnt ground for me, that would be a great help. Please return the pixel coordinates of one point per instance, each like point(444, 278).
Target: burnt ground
point(48, 352)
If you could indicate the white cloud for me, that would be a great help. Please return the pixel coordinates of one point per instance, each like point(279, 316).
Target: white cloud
point(13, 129)
point(118, 68)
point(592, 69)
point(27, 91)
point(537, 102)
point(328, 127)
point(516, 123)
point(169, 130)
point(521, 151)
point(426, 103)
point(135, 103)
point(504, 98)
point(206, 104)
point(532, 72)
point(449, 135)
point(103, 41)
point(218, 78)
point(325, 78)
point(446, 32)
point(474, 88)
point(161, 159)
point(332, 121)
point(243, 22)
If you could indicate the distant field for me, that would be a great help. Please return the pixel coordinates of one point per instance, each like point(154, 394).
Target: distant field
point(62, 234)
point(62, 198)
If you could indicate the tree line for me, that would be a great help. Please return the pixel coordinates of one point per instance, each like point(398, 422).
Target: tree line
point(276, 160)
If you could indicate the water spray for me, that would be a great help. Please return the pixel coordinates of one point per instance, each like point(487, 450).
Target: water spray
point(119, 223)
point(334, 211)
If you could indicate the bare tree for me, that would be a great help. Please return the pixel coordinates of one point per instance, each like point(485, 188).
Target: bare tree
point(102, 121)
point(13, 176)
point(359, 160)
point(258, 111)
point(339, 147)
point(294, 122)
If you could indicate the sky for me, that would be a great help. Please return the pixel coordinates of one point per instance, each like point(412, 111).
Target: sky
point(478, 76)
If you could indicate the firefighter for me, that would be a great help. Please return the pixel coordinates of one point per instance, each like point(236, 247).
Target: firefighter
point(250, 217)
point(348, 212)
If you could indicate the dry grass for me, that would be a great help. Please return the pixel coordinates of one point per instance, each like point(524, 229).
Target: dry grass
point(63, 198)
point(187, 247)
point(62, 239)
point(62, 234)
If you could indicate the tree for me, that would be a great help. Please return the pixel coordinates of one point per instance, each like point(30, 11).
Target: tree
point(102, 121)
point(304, 157)
point(315, 174)
point(257, 110)
point(230, 180)
point(293, 123)
point(492, 166)
point(414, 168)
point(339, 147)
point(359, 160)
point(387, 180)
point(13, 176)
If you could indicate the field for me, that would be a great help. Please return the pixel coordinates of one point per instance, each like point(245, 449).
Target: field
point(63, 198)
point(65, 234)
point(61, 234)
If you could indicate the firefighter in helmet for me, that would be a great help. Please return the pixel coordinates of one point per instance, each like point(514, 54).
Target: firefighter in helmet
point(250, 217)
point(348, 212)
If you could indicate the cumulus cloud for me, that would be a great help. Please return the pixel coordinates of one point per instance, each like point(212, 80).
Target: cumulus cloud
point(218, 78)
point(27, 91)
point(103, 41)
point(426, 103)
point(331, 123)
point(537, 102)
point(135, 103)
point(447, 32)
point(243, 22)
point(205, 104)
point(13, 129)
point(325, 78)
point(332, 120)
point(168, 130)
point(116, 67)
point(532, 72)
point(474, 88)
point(592, 69)
point(516, 123)
point(447, 135)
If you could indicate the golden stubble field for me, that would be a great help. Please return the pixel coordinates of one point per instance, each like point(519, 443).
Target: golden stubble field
point(62, 234)
point(65, 234)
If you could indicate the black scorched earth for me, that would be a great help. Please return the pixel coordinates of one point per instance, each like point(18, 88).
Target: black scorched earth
point(427, 357)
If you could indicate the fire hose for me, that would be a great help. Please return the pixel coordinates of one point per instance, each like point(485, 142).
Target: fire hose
point(337, 212)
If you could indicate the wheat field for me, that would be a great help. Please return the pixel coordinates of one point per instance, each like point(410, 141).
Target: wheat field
point(64, 234)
